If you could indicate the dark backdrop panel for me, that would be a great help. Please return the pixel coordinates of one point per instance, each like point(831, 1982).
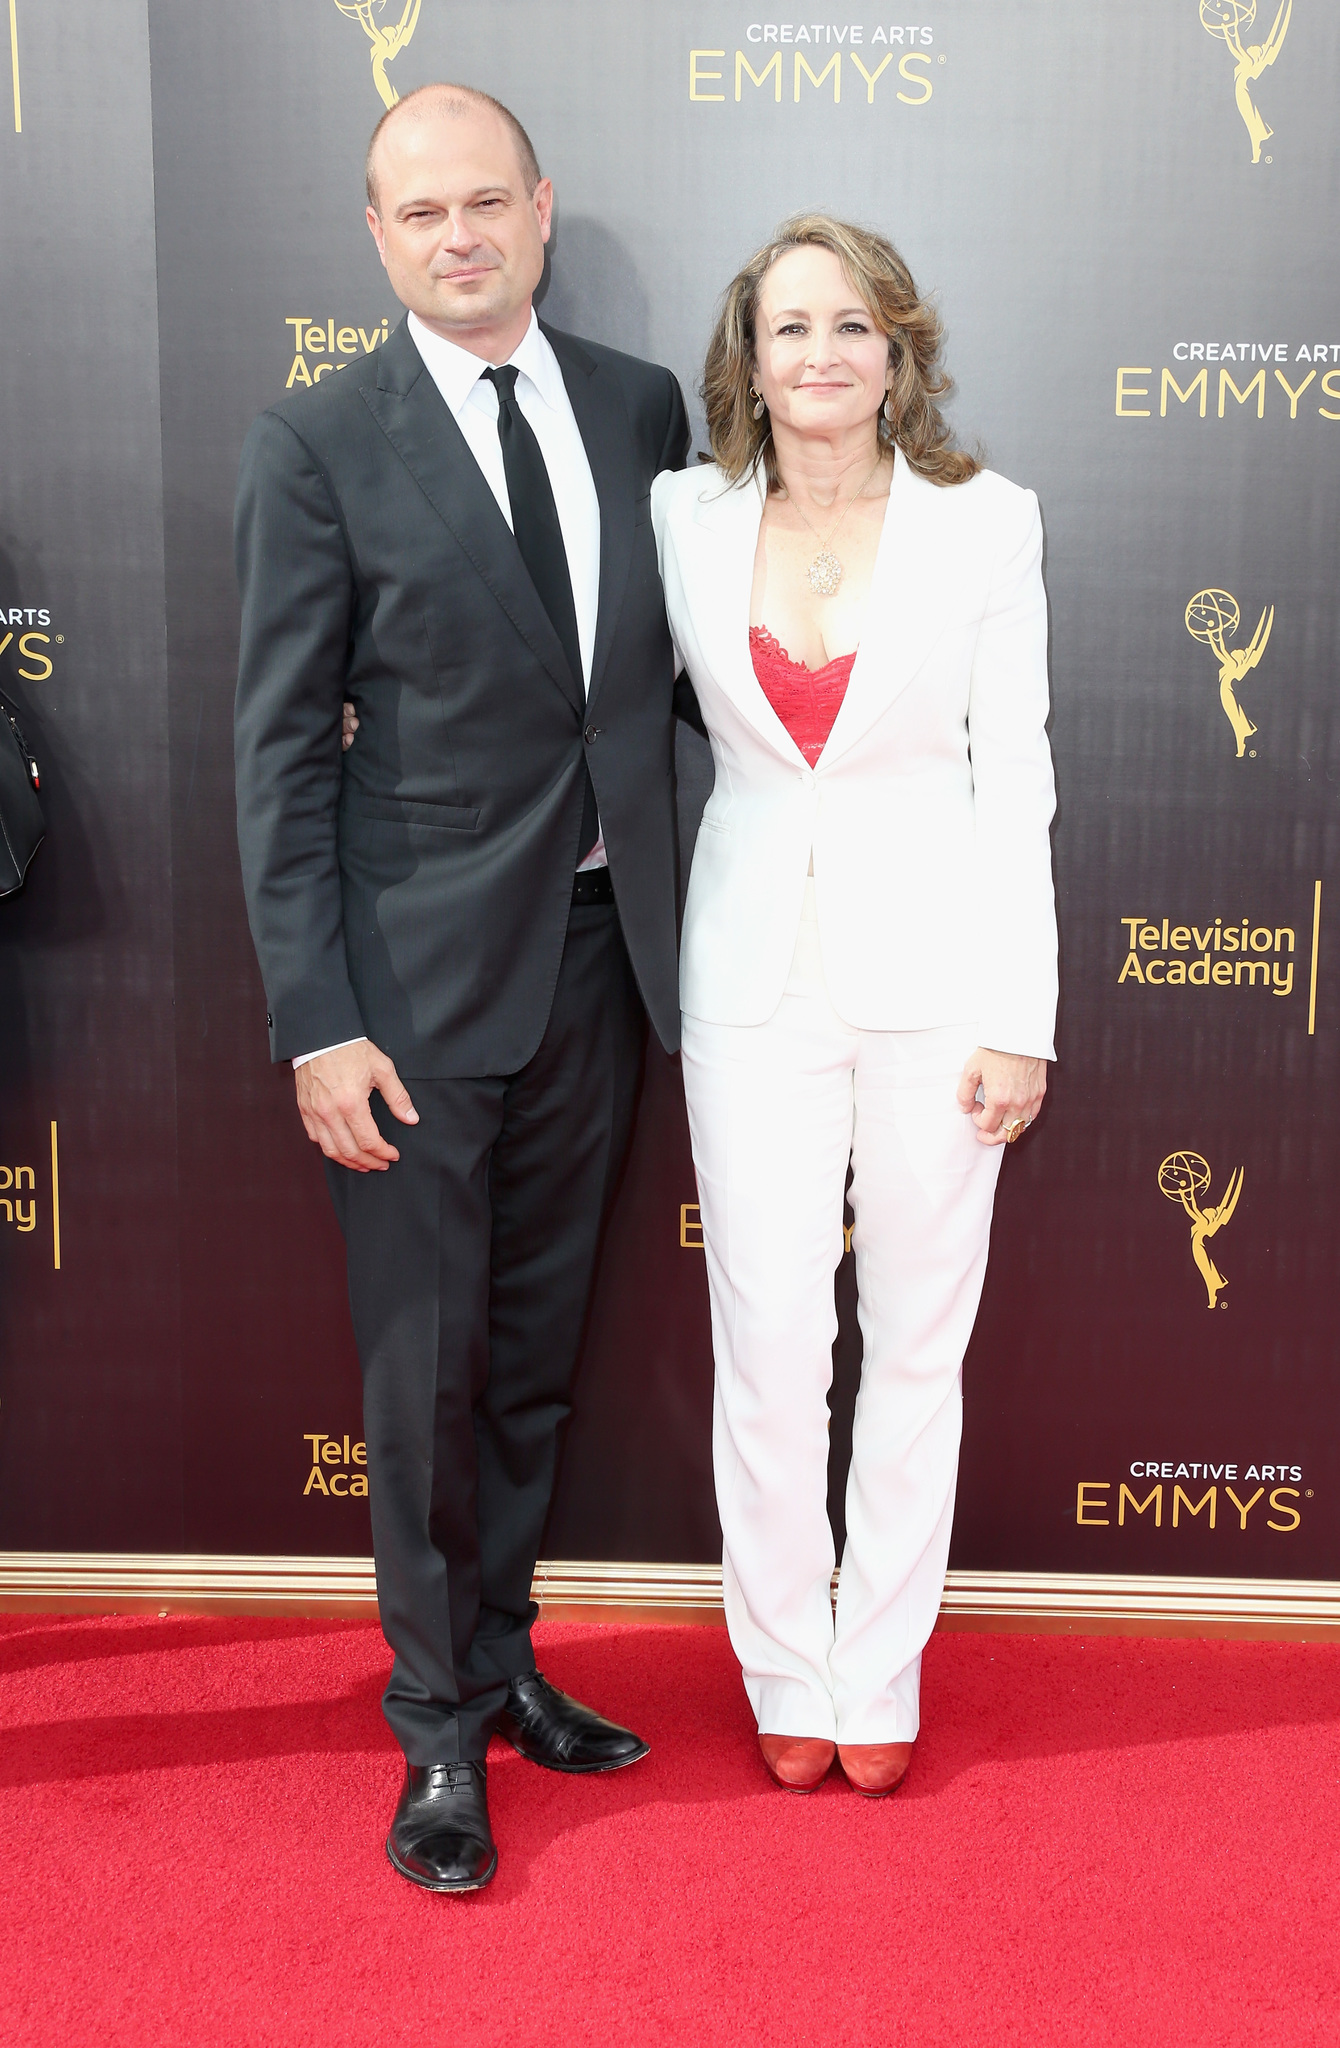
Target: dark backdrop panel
point(1141, 330)
point(259, 218)
point(90, 1425)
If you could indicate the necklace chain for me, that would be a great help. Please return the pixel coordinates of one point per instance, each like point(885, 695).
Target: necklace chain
point(826, 571)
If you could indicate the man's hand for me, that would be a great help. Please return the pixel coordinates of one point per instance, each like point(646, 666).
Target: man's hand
point(1012, 1086)
point(333, 1091)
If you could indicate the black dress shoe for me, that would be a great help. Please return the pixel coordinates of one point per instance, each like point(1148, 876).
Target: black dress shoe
point(560, 1733)
point(440, 1836)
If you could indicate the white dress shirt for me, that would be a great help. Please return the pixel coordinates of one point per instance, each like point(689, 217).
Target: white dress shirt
point(543, 398)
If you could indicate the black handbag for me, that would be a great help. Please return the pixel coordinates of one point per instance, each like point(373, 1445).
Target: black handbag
point(22, 826)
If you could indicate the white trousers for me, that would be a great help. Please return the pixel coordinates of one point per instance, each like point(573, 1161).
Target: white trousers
point(776, 1110)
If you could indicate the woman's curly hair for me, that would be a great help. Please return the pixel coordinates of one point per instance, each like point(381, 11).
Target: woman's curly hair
point(741, 444)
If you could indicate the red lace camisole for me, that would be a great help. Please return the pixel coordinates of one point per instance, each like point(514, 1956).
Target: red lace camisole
point(807, 700)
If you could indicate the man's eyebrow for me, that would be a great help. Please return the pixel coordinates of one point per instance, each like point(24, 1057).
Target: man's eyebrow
point(434, 200)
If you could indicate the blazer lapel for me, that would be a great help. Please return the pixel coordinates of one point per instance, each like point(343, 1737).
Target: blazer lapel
point(411, 412)
point(726, 523)
point(607, 435)
point(906, 611)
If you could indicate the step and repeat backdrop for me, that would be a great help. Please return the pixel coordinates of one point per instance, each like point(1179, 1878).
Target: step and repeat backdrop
point(1127, 209)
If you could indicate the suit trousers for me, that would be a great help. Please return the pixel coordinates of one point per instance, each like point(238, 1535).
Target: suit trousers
point(776, 1112)
point(470, 1268)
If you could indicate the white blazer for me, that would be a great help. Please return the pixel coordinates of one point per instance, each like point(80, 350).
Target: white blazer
point(927, 815)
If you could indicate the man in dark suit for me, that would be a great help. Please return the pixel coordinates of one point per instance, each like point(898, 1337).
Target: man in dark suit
point(463, 924)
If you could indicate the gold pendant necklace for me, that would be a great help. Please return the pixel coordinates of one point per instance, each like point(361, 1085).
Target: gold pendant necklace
point(826, 571)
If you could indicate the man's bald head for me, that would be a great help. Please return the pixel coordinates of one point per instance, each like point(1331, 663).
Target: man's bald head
point(452, 102)
point(460, 215)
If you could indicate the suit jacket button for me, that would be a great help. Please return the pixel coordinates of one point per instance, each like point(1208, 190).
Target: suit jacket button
point(592, 734)
point(269, 1021)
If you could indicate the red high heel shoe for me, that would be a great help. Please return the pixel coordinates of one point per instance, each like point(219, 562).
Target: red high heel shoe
point(875, 1768)
point(799, 1763)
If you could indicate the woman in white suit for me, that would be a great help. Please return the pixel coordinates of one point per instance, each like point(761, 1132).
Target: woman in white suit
point(869, 954)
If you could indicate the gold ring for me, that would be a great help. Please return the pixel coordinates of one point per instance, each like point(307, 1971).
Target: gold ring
point(1016, 1129)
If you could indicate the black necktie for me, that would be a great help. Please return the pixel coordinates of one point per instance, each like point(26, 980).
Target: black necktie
point(540, 540)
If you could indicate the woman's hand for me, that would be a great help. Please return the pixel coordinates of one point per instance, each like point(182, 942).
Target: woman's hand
point(349, 727)
point(1012, 1086)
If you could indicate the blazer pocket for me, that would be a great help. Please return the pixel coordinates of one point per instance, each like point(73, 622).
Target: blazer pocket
point(408, 810)
point(642, 511)
point(714, 825)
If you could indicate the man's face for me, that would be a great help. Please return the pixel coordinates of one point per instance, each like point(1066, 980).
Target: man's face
point(461, 238)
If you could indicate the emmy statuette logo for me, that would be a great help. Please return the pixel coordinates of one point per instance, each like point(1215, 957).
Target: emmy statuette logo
point(1227, 20)
point(1185, 1177)
point(14, 64)
point(387, 40)
point(1213, 616)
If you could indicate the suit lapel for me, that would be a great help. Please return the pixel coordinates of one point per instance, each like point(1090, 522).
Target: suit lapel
point(607, 435)
point(411, 412)
point(906, 611)
point(726, 523)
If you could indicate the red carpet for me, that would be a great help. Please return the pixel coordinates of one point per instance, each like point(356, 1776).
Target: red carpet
point(1101, 1840)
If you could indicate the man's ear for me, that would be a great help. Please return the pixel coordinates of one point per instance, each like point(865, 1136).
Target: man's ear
point(377, 232)
point(542, 199)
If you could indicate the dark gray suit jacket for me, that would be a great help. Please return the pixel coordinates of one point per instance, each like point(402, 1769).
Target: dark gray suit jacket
point(416, 889)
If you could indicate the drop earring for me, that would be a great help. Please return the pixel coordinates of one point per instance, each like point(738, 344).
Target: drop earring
point(759, 408)
point(888, 408)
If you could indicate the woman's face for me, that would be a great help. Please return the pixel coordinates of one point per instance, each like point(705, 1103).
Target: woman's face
point(822, 363)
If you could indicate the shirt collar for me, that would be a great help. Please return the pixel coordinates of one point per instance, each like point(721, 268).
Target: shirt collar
point(456, 372)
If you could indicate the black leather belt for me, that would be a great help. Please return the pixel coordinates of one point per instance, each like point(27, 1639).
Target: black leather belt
point(593, 885)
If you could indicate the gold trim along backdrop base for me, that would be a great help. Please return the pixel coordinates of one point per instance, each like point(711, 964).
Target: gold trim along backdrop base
point(66, 1582)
